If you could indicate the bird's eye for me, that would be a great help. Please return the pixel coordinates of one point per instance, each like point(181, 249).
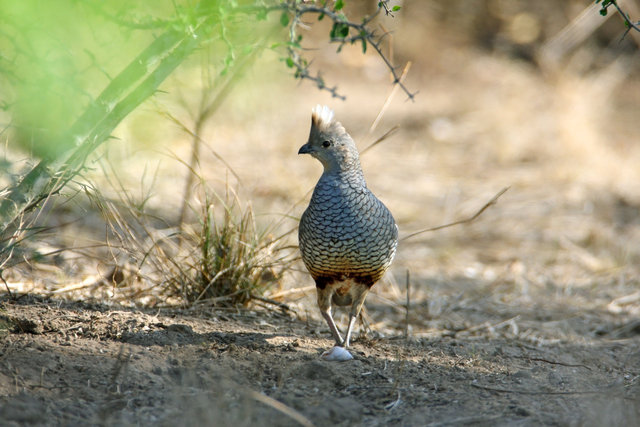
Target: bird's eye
point(326, 144)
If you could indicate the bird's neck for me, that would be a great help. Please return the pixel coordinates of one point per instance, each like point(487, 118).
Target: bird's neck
point(352, 175)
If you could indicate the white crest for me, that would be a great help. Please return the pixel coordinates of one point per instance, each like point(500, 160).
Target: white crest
point(321, 115)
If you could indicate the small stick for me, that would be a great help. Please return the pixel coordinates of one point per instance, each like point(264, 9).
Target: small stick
point(6, 285)
point(389, 98)
point(281, 407)
point(406, 320)
point(282, 305)
point(289, 292)
point(382, 138)
point(462, 221)
point(534, 392)
point(539, 359)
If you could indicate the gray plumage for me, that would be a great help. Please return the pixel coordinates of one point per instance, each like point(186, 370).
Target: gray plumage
point(347, 236)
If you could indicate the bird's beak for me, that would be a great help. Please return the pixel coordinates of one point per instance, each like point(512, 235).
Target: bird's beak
point(305, 149)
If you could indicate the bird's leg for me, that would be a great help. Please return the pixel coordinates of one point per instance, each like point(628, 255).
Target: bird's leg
point(324, 302)
point(337, 353)
point(359, 293)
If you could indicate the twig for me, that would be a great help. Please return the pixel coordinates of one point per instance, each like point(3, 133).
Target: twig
point(393, 405)
point(408, 307)
point(615, 306)
point(294, 291)
point(491, 202)
point(488, 325)
point(6, 286)
point(630, 24)
point(534, 392)
point(301, 65)
point(282, 305)
point(539, 359)
point(396, 78)
point(472, 420)
point(387, 102)
point(363, 34)
point(382, 138)
point(89, 282)
point(281, 407)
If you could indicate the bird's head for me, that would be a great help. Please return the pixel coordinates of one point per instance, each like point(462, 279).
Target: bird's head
point(330, 143)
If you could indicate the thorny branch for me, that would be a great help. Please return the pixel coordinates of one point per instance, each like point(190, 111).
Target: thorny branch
point(363, 34)
point(627, 19)
point(301, 65)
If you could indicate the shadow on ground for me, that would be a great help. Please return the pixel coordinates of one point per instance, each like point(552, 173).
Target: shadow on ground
point(74, 364)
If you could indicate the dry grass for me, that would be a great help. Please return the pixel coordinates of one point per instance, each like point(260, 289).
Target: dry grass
point(230, 262)
point(224, 259)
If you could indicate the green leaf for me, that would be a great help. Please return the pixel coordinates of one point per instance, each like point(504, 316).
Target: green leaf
point(289, 62)
point(396, 8)
point(339, 5)
point(364, 46)
point(339, 30)
point(603, 12)
point(284, 19)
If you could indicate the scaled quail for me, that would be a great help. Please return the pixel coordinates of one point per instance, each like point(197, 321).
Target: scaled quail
point(347, 236)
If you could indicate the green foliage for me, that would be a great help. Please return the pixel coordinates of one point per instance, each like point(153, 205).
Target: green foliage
point(54, 57)
point(340, 30)
point(363, 40)
point(284, 19)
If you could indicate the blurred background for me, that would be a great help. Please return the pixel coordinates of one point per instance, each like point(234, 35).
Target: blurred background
point(541, 97)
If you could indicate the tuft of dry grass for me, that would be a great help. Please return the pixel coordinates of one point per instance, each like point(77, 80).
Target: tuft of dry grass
point(231, 261)
point(224, 258)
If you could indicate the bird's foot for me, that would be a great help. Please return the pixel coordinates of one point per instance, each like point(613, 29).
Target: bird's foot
point(337, 354)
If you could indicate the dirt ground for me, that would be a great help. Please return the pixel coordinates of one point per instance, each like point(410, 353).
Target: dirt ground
point(77, 364)
point(529, 315)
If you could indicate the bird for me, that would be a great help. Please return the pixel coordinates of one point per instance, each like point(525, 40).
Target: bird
point(347, 236)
